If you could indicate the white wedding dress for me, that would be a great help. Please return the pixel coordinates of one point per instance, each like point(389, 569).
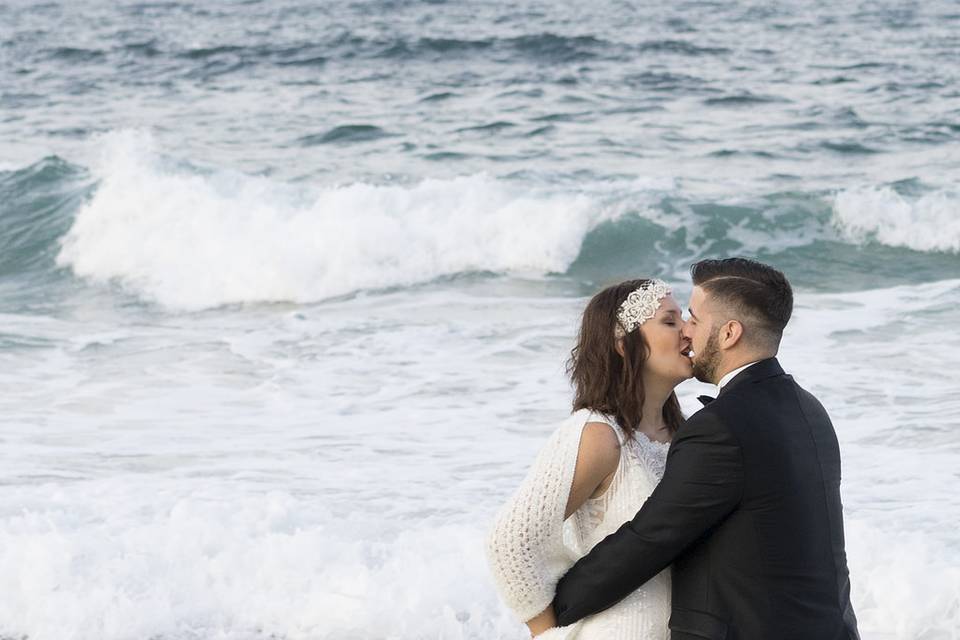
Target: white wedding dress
point(531, 546)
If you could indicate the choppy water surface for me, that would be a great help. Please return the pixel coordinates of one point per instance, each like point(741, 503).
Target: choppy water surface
point(286, 290)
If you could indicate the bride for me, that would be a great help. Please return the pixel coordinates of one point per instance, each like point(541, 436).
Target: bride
point(600, 465)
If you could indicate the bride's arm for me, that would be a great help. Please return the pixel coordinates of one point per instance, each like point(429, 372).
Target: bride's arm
point(525, 546)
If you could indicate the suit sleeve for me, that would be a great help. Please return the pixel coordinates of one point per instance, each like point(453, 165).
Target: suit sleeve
point(701, 485)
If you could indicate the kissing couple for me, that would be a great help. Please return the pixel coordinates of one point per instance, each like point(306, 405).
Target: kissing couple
point(635, 523)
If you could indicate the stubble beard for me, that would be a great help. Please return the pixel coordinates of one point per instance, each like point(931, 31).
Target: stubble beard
point(705, 364)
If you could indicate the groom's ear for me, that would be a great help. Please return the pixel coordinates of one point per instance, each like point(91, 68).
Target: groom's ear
point(730, 334)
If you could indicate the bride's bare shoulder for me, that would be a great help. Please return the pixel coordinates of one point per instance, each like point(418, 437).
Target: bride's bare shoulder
point(599, 439)
point(597, 461)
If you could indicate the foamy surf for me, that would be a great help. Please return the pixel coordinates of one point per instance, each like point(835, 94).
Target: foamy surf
point(193, 241)
point(930, 222)
point(145, 562)
point(330, 473)
point(190, 239)
point(145, 559)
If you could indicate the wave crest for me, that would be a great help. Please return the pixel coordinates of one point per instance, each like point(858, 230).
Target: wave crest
point(880, 214)
point(192, 241)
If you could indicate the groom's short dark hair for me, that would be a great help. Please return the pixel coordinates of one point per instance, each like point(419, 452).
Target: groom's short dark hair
point(754, 293)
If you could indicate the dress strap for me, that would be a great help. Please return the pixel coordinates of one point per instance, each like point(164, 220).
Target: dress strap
point(596, 416)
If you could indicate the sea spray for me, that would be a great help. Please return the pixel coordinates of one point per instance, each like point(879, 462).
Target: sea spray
point(930, 222)
point(193, 241)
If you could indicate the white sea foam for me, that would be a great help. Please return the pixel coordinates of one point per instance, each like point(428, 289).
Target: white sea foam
point(884, 364)
point(196, 241)
point(329, 473)
point(142, 561)
point(139, 560)
point(930, 222)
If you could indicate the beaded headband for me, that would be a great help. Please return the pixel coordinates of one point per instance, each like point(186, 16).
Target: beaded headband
point(640, 306)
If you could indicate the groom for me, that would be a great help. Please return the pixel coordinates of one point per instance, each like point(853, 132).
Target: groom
point(748, 512)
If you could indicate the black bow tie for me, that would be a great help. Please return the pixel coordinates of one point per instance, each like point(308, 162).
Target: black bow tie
point(705, 400)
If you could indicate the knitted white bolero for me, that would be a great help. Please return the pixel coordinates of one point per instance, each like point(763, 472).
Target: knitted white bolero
point(530, 546)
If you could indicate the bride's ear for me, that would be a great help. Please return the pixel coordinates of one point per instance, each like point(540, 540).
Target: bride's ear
point(618, 345)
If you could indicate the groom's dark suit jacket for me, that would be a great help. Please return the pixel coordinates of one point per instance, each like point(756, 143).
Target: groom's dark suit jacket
point(748, 513)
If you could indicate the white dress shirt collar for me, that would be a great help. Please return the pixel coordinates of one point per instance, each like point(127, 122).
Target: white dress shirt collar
point(732, 374)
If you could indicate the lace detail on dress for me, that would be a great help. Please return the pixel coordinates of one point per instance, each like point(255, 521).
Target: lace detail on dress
point(650, 454)
point(591, 513)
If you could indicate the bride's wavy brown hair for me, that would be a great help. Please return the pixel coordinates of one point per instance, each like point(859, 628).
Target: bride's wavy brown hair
point(605, 381)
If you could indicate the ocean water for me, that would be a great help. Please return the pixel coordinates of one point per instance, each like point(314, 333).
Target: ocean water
point(286, 288)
